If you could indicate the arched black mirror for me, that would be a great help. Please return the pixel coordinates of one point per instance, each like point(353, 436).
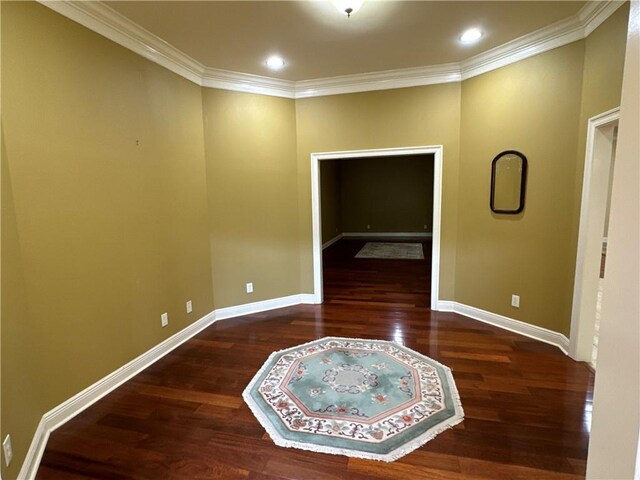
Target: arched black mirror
point(508, 180)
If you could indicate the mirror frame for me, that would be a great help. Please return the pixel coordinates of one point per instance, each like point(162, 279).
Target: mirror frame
point(523, 182)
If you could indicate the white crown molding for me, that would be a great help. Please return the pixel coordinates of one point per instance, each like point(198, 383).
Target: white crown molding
point(245, 82)
point(593, 14)
point(102, 19)
point(366, 82)
point(542, 40)
point(547, 38)
point(107, 22)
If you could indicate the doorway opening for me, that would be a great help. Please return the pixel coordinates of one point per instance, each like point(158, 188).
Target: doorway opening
point(428, 154)
point(591, 252)
point(376, 221)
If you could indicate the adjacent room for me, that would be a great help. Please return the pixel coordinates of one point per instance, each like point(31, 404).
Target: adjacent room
point(319, 240)
point(377, 224)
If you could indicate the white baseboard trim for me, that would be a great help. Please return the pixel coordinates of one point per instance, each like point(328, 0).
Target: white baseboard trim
point(388, 234)
point(35, 452)
point(262, 306)
point(87, 397)
point(446, 306)
point(90, 395)
point(532, 331)
point(328, 243)
point(309, 299)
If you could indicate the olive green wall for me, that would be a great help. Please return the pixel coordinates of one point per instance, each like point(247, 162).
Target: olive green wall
point(601, 86)
point(404, 117)
point(330, 199)
point(100, 235)
point(118, 205)
point(520, 108)
point(250, 143)
point(390, 194)
point(537, 106)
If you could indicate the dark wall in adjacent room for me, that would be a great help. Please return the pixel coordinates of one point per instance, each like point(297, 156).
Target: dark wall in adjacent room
point(377, 195)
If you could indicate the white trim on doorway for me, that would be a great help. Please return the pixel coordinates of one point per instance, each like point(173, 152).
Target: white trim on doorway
point(316, 158)
point(595, 184)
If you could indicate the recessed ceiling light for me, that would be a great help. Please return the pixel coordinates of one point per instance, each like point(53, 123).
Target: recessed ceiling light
point(275, 63)
point(471, 36)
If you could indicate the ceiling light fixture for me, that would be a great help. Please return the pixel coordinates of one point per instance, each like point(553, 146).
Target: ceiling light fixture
point(275, 62)
point(348, 6)
point(471, 36)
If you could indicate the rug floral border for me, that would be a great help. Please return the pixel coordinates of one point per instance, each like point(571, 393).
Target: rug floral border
point(388, 450)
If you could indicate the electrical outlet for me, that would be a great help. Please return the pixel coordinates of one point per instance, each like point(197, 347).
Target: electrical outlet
point(368, 227)
point(250, 287)
point(425, 227)
point(189, 307)
point(8, 450)
point(515, 301)
point(164, 319)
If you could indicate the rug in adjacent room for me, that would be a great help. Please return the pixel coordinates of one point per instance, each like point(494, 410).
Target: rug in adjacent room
point(404, 251)
point(360, 398)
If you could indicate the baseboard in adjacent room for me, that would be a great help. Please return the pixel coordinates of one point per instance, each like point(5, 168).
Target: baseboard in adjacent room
point(388, 234)
point(328, 243)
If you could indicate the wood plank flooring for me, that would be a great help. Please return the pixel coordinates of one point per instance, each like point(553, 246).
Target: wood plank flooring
point(527, 405)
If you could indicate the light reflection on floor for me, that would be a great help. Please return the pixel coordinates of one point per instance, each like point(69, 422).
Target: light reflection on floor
point(587, 415)
point(398, 334)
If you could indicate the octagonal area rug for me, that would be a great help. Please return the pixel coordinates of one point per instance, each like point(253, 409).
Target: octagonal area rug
point(361, 398)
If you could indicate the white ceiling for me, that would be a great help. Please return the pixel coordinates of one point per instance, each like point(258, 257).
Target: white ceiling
point(317, 41)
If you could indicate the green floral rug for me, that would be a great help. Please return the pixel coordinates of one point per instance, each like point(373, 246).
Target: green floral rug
point(361, 398)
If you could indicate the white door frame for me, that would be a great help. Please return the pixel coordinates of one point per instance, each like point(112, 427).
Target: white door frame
point(316, 158)
point(595, 185)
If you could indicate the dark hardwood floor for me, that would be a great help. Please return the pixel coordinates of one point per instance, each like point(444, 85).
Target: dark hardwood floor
point(527, 405)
